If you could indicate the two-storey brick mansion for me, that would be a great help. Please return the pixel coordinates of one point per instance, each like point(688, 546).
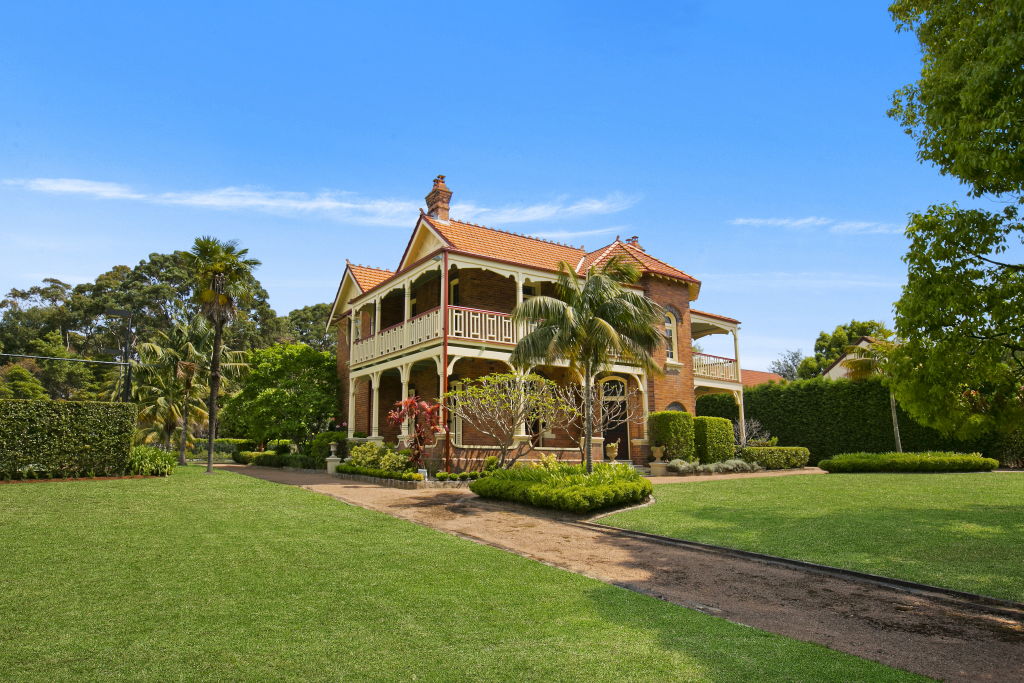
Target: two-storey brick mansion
point(443, 316)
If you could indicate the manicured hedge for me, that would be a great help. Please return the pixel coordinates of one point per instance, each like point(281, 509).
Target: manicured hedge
point(246, 457)
point(566, 487)
point(672, 429)
point(776, 457)
point(382, 474)
point(909, 462)
point(320, 447)
point(236, 444)
point(713, 439)
point(65, 438)
point(270, 459)
point(832, 416)
point(460, 476)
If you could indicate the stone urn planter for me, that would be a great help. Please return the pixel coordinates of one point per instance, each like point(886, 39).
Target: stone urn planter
point(611, 451)
point(659, 453)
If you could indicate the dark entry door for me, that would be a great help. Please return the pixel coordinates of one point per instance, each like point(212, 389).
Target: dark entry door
point(618, 433)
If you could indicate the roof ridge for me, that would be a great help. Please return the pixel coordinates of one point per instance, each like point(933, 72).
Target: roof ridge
point(627, 245)
point(601, 255)
point(518, 234)
point(360, 265)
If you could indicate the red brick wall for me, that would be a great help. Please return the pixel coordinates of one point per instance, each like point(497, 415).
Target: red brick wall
point(486, 290)
point(427, 295)
point(392, 310)
point(362, 421)
point(390, 393)
point(676, 385)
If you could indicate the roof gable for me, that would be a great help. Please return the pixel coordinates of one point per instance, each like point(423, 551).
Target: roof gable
point(425, 240)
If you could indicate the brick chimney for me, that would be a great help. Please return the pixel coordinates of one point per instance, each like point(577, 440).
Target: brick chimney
point(438, 199)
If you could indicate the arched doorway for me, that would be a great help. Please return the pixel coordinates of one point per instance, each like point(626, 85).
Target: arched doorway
point(614, 422)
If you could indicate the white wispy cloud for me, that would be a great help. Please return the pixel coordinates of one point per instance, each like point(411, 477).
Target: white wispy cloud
point(833, 225)
point(807, 222)
point(346, 207)
point(561, 208)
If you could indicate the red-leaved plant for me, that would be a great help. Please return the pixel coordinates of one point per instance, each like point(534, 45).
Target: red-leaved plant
point(426, 421)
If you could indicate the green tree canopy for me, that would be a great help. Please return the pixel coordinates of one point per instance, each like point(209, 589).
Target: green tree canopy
point(829, 347)
point(308, 325)
point(289, 392)
point(16, 381)
point(960, 318)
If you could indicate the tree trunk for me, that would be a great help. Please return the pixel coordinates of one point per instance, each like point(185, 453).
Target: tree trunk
point(218, 339)
point(588, 429)
point(182, 439)
point(895, 423)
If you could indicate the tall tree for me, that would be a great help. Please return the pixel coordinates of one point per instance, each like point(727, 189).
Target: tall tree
point(787, 364)
point(960, 318)
point(593, 320)
point(223, 276)
point(828, 348)
point(308, 325)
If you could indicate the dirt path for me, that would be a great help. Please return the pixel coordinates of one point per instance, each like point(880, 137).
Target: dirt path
point(913, 632)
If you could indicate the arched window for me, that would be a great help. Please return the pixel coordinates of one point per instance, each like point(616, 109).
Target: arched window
point(671, 349)
point(676, 406)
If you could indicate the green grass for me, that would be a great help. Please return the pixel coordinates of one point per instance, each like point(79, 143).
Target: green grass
point(226, 577)
point(959, 531)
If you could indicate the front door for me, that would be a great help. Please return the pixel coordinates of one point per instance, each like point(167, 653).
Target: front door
point(614, 427)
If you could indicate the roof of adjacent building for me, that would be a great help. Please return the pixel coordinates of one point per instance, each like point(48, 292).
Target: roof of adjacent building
point(366, 277)
point(752, 378)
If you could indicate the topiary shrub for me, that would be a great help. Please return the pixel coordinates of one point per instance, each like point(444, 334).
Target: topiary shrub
point(566, 487)
point(776, 457)
point(674, 430)
point(712, 438)
point(936, 461)
point(65, 438)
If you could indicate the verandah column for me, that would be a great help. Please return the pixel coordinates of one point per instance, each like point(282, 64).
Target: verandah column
point(375, 406)
point(352, 405)
point(404, 371)
point(739, 378)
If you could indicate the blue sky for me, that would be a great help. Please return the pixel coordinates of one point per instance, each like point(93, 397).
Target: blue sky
point(745, 143)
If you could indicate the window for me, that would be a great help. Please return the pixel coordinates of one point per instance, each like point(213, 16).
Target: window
point(357, 327)
point(456, 427)
point(530, 291)
point(671, 352)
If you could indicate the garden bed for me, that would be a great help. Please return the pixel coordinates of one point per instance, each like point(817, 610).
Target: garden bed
point(398, 483)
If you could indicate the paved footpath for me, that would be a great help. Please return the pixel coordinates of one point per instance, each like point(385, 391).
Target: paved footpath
point(913, 632)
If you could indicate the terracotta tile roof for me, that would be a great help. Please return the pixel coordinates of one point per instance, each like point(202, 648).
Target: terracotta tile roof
point(506, 246)
point(632, 252)
point(366, 277)
point(540, 253)
point(718, 317)
point(751, 378)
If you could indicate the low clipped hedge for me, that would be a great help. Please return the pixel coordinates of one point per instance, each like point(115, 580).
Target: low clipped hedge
point(382, 474)
point(270, 459)
point(672, 429)
point(60, 439)
point(713, 439)
point(929, 461)
point(460, 476)
point(566, 487)
point(246, 457)
point(236, 444)
point(777, 457)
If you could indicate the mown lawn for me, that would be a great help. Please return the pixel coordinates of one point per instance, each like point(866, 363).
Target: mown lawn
point(959, 531)
point(225, 577)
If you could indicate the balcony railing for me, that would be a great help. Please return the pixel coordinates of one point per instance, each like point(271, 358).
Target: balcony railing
point(715, 367)
point(478, 325)
point(416, 330)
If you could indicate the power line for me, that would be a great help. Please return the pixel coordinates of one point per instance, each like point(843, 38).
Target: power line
point(73, 360)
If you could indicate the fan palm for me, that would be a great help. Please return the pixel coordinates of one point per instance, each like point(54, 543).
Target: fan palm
point(184, 351)
point(222, 274)
point(594, 321)
point(871, 361)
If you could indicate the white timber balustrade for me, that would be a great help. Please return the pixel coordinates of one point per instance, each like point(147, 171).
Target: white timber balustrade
point(472, 323)
point(416, 330)
point(715, 367)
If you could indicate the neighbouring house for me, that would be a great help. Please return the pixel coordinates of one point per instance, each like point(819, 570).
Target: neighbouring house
point(443, 316)
point(753, 378)
point(838, 370)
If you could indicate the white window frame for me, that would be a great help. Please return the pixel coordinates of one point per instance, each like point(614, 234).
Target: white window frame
point(671, 337)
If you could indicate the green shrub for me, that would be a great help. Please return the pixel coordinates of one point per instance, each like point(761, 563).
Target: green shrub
point(383, 474)
point(238, 444)
point(151, 461)
point(320, 446)
point(245, 457)
point(733, 466)
point(65, 438)
point(566, 487)
point(490, 463)
point(776, 457)
point(834, 416)
point(379, 456)
point(674, 430)
point(713, 439)
point(460, 476)
point(268, 459)
point(282, 448)
point(935, 461)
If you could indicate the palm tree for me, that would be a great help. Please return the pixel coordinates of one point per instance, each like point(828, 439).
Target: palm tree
point(593, 321)
point(223, 274)
point(185, 352)
point(873, 360)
